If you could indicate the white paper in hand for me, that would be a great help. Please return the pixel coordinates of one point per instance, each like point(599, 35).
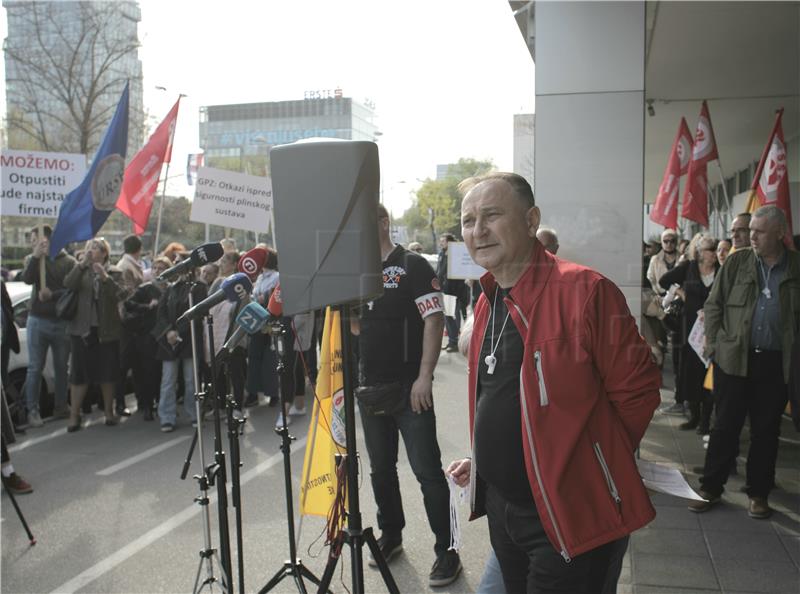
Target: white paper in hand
point(664, 479)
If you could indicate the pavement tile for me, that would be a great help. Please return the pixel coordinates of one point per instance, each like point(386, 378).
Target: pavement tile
point(736, 576)
point(660, 500)
point(679, 518)
point(756, 547)
point(732, 518)
point(786, 524)
point(669, 542)
point(676, 572)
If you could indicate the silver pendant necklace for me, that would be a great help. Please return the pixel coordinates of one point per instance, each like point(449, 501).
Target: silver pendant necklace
point(490, 359)
point(765, 291)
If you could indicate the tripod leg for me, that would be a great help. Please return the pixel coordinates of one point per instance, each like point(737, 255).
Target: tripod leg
point(282, 573)
point(388, 579)
point(21, 517)
point(327, 576)
point(305, 572)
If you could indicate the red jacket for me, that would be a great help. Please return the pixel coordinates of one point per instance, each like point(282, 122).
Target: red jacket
point(588, 389)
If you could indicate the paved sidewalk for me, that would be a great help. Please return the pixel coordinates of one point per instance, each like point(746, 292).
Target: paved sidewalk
point(722, 550)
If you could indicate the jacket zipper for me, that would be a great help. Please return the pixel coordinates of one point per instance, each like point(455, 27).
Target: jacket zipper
point(473, 472)
point(543, 400)
point(534, 458)
point(612, 487)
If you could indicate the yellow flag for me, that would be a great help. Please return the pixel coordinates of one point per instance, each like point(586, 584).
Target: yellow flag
point(326, 432)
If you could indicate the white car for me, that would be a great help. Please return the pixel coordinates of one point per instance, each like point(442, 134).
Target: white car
point(20, 294)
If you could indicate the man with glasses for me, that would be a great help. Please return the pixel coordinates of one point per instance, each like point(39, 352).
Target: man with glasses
point(662, 262)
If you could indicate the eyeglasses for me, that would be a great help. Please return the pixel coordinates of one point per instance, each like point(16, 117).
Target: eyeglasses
point(669, 241)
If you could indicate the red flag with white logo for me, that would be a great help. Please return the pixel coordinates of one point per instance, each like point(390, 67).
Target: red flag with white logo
point(771, 182)
point(665, 209)
point(142, 173)
point(695, 197)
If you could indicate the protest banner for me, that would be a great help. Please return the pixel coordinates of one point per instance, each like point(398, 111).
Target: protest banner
point(459, 263)
point(34, 183)
point(231, 199)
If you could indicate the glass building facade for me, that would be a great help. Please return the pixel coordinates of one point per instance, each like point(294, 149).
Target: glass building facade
point(253, 128)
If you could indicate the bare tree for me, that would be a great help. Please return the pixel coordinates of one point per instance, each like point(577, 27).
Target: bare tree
point(66, 66)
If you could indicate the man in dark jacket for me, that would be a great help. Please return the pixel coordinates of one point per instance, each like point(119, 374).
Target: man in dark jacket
point(561, 390)
point(454, 287)
point(45, 330)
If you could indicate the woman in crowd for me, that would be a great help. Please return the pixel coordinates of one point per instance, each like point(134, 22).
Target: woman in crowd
point(694, 276)
point(175, 348)
point(173, 251)
point(139, 318)
point(261, 376)
point(95, 330)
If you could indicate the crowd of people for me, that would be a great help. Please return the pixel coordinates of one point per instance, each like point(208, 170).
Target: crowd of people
point(125, 327)
point(728, 309)
point(559, 398)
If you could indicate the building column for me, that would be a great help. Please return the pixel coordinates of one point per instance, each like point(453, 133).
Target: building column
point(589, 167)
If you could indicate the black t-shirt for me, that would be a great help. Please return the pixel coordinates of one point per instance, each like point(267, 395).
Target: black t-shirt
point(390, 343)
point(499, 458)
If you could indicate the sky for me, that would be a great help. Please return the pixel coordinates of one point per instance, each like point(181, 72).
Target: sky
point(446, 78)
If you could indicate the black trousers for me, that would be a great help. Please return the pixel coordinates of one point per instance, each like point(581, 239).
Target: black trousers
point(138, 353)
point(762, 396)
point(531, 565)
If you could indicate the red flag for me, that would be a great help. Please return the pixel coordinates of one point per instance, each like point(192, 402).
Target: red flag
point(695, 196)
point(771, 182)
point(665, 209)
point(142, 173)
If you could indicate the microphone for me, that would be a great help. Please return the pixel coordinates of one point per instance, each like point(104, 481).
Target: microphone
point(252, 262)
point(250, 320)
point(200, 256)
point(236, 287)
point(275, 304)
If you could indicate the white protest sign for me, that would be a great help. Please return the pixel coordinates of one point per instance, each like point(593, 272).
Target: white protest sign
point(34, 184)
point(232, 199)
point(459, 263)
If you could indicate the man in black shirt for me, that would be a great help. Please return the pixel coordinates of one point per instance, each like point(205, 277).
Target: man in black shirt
point(454, 287)
point(399, 337)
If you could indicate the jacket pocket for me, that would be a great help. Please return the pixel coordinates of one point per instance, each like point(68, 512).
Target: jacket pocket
point(612, 487)
point(543, 399)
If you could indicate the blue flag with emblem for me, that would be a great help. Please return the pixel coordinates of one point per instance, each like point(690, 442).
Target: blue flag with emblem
point(87, 207)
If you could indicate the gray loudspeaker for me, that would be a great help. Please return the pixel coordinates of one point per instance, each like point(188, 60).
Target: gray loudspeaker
point(325, 197)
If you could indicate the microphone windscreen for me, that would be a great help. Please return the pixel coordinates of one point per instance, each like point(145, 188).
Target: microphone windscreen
point(275, 304)
point(252, 262)
point(206, 253)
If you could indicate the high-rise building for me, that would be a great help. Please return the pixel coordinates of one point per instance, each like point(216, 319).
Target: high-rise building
point(249, 130)
point(66, 66)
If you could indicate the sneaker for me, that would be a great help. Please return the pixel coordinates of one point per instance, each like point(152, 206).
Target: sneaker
point(167, 428)
point(390, 546)
point(16, 484)
point(700, 507)
point(297, 412)
point(194, 424)
point(675, 409)
point(445, 570)
point(280, 419)
point(758, 509)
point(453, 348)
point(34, 420)
point(251, 400)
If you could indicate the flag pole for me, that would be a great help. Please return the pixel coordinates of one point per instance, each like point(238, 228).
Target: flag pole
point(724, 191)
point(42, 264)
point(160, 211)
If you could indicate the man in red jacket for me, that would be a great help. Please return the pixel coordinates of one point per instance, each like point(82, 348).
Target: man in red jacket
point(561, 390)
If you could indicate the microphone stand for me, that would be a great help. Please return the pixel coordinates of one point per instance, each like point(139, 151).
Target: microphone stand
point(236, 423)
point(204, 480)
point(293, 567)
point(354, 535)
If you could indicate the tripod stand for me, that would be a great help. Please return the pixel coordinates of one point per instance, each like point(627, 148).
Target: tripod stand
point(210, 474)
point(354, 535)
point(292, 567)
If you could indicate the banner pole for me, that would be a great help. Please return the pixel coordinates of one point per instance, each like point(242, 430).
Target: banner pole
point(160, 212)
point(724, 191)
point(42, 264)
